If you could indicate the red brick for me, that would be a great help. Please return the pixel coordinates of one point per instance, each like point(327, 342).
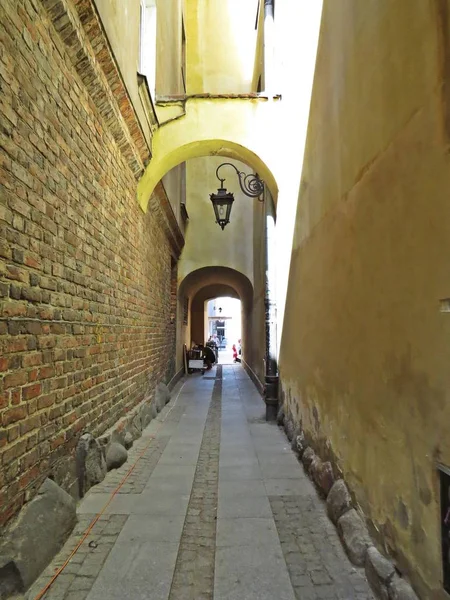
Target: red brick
point(46, 401)
point(13, 452)
point(58, 441)
point(29, 424)
point(14, 414)
point(15, 379)
point(32, 360)
point(13, 433)
point(3, 437)
point(31, 391)
point(71, 212)
point(46, 372)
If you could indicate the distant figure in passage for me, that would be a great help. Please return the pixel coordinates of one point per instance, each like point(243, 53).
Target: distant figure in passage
point(235, 353)
point(211, 343)
point(209, 357)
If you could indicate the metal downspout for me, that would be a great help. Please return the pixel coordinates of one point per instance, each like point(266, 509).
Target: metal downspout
point(270, 305)
point(270, 359)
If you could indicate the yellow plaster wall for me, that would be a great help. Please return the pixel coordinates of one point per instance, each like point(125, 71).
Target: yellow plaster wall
point(365, 349)
point(221, 41)
point(168, 62)
point(258, 66)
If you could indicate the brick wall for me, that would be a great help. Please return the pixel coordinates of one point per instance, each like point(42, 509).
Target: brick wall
point(85, 276)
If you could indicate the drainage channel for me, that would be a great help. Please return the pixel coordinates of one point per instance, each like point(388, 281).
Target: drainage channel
point(194, 570)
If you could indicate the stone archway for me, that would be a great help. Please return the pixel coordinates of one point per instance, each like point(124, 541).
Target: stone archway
point(210, 282)
point(238, 128)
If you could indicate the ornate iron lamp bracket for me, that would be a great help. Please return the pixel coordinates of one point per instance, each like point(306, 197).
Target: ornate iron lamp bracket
point(251, 185)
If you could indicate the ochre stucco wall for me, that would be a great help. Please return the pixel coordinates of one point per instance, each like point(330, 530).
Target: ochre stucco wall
point(206, 244)
point(365, 348)
point(168, 63)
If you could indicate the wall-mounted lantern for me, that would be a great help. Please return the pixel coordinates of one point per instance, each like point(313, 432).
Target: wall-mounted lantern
point(251, 185)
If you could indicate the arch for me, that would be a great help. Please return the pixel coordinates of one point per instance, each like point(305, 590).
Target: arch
point(217, 290)
point(210, 282)
point(198, 306)
point(234, 128)
point(209, 277)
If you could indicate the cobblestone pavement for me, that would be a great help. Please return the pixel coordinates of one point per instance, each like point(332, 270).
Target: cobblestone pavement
point(194, 570)
point(217, 508)
point(316, 561)
point(79, 575)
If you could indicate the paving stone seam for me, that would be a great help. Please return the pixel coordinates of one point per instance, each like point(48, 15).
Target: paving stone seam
point(193, 576)
point(78, 577)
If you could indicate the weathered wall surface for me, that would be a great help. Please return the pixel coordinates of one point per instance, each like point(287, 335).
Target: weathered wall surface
point(364, 357)
point(169, 79)
point(225, 67)
point(85, 326)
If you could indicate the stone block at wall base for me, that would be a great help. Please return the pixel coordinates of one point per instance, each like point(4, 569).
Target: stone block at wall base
point(300, 444)
point(289, 428)
point(379, 572)
point(338, 501)
point(162, 396)
point(399, 589)
point(307, 458)
point(90, 462)
point(355, 537)
point(323, 477)
point(128, 440)
point(36, 535)
point(116, 456)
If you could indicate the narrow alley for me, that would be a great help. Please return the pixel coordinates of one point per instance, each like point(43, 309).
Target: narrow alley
point(217, 507)
point(224, 299)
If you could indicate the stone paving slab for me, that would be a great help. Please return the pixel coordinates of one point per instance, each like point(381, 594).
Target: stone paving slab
point(131, 566)
point(249, 573)
point(245, 506)
point(137, 571)
point(79, 576)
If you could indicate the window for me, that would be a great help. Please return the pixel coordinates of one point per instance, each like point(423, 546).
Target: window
point(147, 43)
point(444, 475)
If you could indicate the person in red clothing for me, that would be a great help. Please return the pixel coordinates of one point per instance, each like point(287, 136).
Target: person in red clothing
point(235, 353)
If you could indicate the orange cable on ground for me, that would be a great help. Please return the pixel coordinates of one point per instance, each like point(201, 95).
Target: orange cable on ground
point(44, 590)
